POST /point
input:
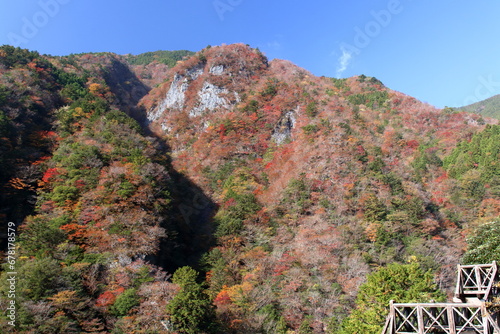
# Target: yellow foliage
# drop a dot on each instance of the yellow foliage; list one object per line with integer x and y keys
{"x": 238, "y": 293}
{"x": 63, "y": 298}
{"x": 95, "y": 88}
{"x": 412, "y": 259}
{"x": 242, "y": 182}
{"x": 78, "y": 112}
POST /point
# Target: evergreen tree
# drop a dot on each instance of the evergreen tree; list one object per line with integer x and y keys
{"x": 124, "y": 302}
{"x": 400, "y": 282}
{"x": 484, "y": 244}
{"x": 480, "y": 153}
{"x": 191, "y": 310}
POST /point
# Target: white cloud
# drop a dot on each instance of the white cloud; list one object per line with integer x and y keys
{"x": 274, "y": 45}
{"x": 343, "y": 61}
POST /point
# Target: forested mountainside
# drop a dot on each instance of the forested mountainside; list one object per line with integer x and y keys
{"x": 489, "y": 107}
{"x": 230, "y": 194}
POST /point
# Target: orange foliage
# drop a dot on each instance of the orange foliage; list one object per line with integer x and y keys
{"x": 76, "y": 233}
{"x": 489, "y": 208}
{"x": 371, "y": 231}
{"x": 222, "y": 298}
{"x": 18, "y": 183}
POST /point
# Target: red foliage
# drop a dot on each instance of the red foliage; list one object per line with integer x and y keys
{"x": 50, "y": 174}
{"x": 284, "y": 264}
{"x": 443, "y": 177}
{"x": 222, "y": 131}
{"x": 48, "y": 206}
{"x": 90, "y": 213}
{"x": 107, "y": 298}
{"x": 412, "y": 143}
{"x": 222, "y": 299}
{"x": 230, "y": 202}
{"x": 360, "y": 150}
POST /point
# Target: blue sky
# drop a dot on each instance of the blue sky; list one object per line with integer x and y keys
{"x": 444, "y": 52}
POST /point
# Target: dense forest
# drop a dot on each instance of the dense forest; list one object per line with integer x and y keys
{"x": 489, "y": 107}
{"x": 220, "y": 192}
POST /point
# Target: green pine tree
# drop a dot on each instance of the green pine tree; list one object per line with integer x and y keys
{"x": 191, "y": 310}
{"x": 484, "y": 244}
{"x": 400, "y": 282}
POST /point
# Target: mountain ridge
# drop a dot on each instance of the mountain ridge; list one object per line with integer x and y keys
{"x": 285, "y": 190}
{"x": 489, "y": 107}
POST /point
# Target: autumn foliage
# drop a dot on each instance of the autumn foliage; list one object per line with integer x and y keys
{"x": 284, "y": 190}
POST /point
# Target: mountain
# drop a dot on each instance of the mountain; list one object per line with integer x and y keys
{"x": 225, "y": 194}
{"x": 488, "y": 108}
{"x": 169, "y": 58}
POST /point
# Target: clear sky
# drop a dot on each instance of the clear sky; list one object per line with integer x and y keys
{"x": 444, "y": 52}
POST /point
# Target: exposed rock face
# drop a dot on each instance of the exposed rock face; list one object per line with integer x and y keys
{"x": 174, "y": 99}
{"x": 195, "y": 71}
{"x": 283, "y": 130}
{"x": 217, "y": 69}
{"x": 176, "y": 95}
{"x": 210, "y": 99}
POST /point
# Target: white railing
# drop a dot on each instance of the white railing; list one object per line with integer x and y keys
{"x": 476, "y": 280}
{"x": 468, "y": 315}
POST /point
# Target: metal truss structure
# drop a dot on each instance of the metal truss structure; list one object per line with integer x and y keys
{"x": 468, "y": 314}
